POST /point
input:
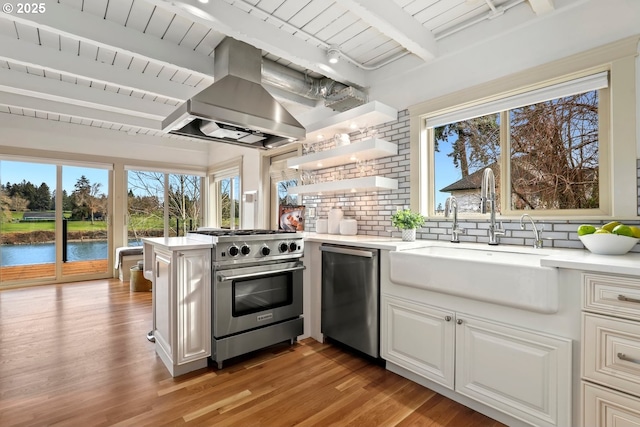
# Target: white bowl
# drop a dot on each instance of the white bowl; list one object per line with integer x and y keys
{"x": 608, "y": 244}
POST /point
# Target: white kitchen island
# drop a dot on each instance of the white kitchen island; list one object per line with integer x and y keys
{"x": 180, "y": 270}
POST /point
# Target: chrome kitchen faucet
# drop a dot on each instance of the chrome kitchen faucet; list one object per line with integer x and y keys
{"x": 537, "y": 239}
{"x": 488, "y": 195}
{"x": 451, "y": 204}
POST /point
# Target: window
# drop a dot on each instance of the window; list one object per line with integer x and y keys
{"x": 543, "y": 145}
{"x": 150, "y": 216}
{"x": 226, "y": 190}
{"x": 282, "y": 178}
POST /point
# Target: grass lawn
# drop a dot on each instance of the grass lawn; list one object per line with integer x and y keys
{"x": 136, "y": 222}
{"x": 25, "y": 227}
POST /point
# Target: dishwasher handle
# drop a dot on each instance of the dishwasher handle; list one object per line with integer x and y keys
{"x": 346, "y": 251}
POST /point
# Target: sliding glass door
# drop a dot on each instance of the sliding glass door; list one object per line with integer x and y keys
{"x": 85, "y": 220}
{"x": 53, "y": 223}
{"x": 27, "y": 221}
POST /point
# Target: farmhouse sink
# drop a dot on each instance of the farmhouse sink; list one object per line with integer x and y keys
{"x": 499, "y": 276}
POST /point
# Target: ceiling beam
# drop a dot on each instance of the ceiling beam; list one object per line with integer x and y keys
{"x": 30, "y": 54}
{"x": 392, "y": 21}
{"x": 232, "y": 21}
{"x": 55, "y": 90}
{"x": 55, "y": 107}
{"x": 91, "y": 29}
{"x": 541, "y": 7}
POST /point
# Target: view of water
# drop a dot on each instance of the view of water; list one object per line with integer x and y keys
{"x": 43, "y": 253}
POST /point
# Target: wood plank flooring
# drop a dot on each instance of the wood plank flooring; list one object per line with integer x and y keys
{"x": 76, "y": 355}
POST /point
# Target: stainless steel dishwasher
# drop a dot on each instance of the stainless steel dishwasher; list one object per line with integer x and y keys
{"x": 350, "y": 297}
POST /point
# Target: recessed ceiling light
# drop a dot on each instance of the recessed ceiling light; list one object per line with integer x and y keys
{"x": 204, "y": 1}
{"x": 333, "y": 54}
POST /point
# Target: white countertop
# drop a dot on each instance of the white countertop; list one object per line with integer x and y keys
{"x": 177, "y": 243}
{"x": 582, "y": 259}
{"x": 576, "y": 259}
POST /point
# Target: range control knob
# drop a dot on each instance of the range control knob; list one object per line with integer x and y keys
{"x": 245, "y": 250}
{"x": 265, "y": 250}
{"x": 293, "y": 246}
{"x": 233, "y": 250}
{"x": 282, "y": 247}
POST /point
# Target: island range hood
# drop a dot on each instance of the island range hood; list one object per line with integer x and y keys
{"x": 236, "y": 109}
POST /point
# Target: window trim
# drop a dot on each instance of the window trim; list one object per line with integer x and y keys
{"x": 505, "y": 160}
{"x": 618, "y": 123}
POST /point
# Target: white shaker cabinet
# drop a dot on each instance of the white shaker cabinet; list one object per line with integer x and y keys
{"x": 182, "y": 308}
{"x": 419, "y": 338}
{"x": 611, "y": 350}
{"x": 520, "y": 372}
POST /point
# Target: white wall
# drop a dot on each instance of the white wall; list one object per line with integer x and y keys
{"x": 91, "y": 142}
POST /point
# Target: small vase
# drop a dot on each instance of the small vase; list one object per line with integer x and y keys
{"x": 409, "y": 235}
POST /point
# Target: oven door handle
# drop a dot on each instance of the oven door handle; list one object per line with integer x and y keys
{"x": 223, "y": 277}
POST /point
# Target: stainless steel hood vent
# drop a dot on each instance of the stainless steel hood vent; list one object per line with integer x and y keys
{"x": 236, "y": 108}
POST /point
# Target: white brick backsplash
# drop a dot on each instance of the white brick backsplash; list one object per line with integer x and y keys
{"x": 373, "y": 211}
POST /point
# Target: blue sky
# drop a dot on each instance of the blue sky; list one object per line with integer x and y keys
{"x": 445, "y": 172}
{"x": 37, "y": 173}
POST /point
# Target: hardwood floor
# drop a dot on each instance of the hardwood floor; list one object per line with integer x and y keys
{"x": 76, "y": 355}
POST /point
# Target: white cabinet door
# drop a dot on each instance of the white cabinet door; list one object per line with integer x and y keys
{"x": 163, "y": 299}
{"x": 419, "y": 338}
{"x": 193, "y": 304}
{"x": 520, "y": 372}
{"x": 607, "y": 408}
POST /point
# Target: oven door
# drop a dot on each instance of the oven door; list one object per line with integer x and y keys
{"x": 246, "y": 298}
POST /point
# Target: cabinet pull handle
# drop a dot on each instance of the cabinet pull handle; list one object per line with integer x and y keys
{"x": 459, "y": 321}
{"x": 623, "y": 298}
{"x": 447, "y": 318}
{"x": 626, "y": 358}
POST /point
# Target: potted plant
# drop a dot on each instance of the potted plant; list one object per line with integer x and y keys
{"x": 407, "y": 221}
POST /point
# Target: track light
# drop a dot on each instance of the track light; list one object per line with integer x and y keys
{"x": 333, "y": 54}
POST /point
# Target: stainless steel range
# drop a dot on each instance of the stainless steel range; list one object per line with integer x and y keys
{"x": 256, "y": 289}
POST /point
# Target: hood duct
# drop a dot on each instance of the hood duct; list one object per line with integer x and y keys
{"x": 336, "y": 95}
{"x": 236, "y": 108}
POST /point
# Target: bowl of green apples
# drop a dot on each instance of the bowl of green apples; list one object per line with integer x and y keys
{"x": 613, "y": 238}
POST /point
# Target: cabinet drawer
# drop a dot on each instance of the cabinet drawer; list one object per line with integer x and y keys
{"x": 608, "y": 408}
{"x": 615, "y": 295}
{"x": 611, "y": 352}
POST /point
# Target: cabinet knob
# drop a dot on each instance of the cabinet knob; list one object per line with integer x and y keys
{"x": 459, "y": 321}
{"x": 447, "y": 318}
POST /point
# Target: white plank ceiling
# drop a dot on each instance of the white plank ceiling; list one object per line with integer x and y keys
{"x": 127, "y": 64}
